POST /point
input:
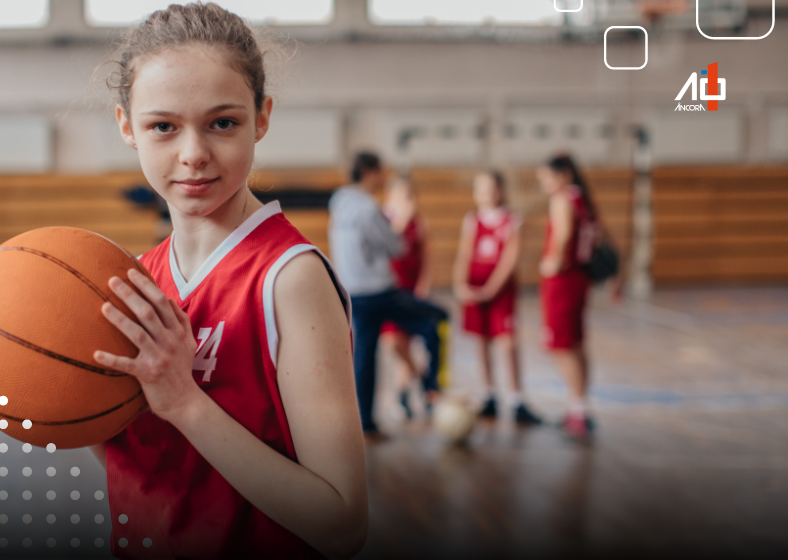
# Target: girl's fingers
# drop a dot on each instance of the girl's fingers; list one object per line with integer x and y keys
{"x": 119, "y": 363}
{"x": 144, "y": 311}
{"x": 181, "y": 316}
{"x": 135, "y": 333}
{"x": 155, "y": 297}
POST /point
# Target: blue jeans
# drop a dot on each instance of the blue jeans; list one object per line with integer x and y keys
{"x": 414, "y": 316}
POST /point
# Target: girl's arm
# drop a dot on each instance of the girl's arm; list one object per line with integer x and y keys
{"x": 560, "y": 216}
{"x": 504, "y": 268}
{"x": 323, "y": 497}
{"x": 100, "y": 452}
{"x": 424, "y": 283}
{"x": 462, "y": 291}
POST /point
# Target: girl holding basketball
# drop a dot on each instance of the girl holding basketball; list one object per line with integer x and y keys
{"x": 484, "y": 282}
{"x": 252, "y": 444}
{"x": 572, "y": 229}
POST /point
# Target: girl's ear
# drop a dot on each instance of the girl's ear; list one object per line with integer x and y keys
{"x": 263, "y": 119}
{"x": 125, "y": 127}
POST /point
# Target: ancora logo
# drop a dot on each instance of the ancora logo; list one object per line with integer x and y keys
{"x": 716, "y": 90}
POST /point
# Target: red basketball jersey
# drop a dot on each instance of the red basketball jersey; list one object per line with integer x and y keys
{"x": 577, "y": 252}
{"x": 168, "y": 491}
{"x": 491, "y": 233}
{"x": 407, "y": 268}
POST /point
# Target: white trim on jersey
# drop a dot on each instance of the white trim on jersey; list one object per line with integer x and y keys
{"x": 268, "y": 293}
{"x": 185, "y": 288}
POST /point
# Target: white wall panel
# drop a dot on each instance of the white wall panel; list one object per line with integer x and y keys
{"x": 25, "y": 144}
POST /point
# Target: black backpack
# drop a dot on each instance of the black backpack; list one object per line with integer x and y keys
{"x": 604, "y": 263}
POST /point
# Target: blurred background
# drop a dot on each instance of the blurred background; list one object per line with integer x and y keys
{"x": 690, "y": 386}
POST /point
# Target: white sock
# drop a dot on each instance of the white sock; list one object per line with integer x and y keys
{"x": 577, "y": 407}
{"x": 516, "y": 399}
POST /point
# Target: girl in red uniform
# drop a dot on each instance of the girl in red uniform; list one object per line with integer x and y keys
{"x": 572, "y": 230}
{"x": 252, "y": 443}
{"x": 413, "y": 272}
{"x": 484, "y": 281}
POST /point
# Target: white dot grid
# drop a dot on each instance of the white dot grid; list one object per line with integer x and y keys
{"x": 27, "y": 448}
{"x": 75, "y": 519}
{"x": 3, "y": 495}
{"x": 99, "y": 519}
{"x": 27, "y": 518}
{"x": 51, "y": 518}
{"x": 3, "y": 424}
{"x": 123, "y": 518}
{"x": 27, "y": 471}
{"x": 27, "y": 494}
{"x": 99, "y": 543}
{"x": 3, "y": 400}
{"x": 51, "y": 447}
{"x": 147, "y": 543}
{"x": 75, "y": 543}
{"x": 51, "y": 542}
{"x": 74, "y": 495}
{"x": 123, "y": 543}
{"x": 99, "y": 495}
{"x": 74, "y": 471}
{"x": 3, "y": 447}
{"x": 27, "y": 424}
{"x": 51, "y": 495}
{"x": 51, "y": 471}
{"x": 3, "y": 471}
{"x": 3, "y": 543}
{"x": 3, "y": 519}
{"x": 27, "y": 543}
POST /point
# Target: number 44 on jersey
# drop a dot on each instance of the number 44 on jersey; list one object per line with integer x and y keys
{"x": 205, "y": 360}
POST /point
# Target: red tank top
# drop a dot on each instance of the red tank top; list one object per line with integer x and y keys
{"x": 407, "y": 268}
{"x": 169, "y": 492}
{"x": 577, "y": 252}
{"x": 490, "y": 238}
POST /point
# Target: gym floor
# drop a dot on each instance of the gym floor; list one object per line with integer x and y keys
{"x": 690, "y": 395}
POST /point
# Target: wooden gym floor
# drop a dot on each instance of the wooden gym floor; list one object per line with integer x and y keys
{"x": 691, "y": 459}
{"x": 691, "y": 399}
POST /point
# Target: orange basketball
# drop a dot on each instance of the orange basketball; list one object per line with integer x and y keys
{"x": 53, "y": 282}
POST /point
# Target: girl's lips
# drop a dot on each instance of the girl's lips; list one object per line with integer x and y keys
{"x": 195, "y": 187}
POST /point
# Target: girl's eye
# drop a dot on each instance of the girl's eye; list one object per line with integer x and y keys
{"x": 162, "y": 127}
{"x": 224, "y": 124}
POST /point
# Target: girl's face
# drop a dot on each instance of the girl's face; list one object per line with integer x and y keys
{"x": 194, "y": 123}
{"x": 550, "y": 180}
{"x": 485, "y": 192}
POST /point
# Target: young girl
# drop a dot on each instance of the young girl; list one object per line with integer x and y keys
{"x": 413, "y": 273}
{"x": 484, "y": 281}
{"x": 253, "y": 447}
{"x": 571, "y": 234}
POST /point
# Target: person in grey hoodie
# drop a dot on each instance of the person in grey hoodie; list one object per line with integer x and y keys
{"x": 362, "y": 244}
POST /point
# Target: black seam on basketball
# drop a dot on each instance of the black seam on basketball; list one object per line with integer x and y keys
{"x": 61, "y": 264}
{"x": 78, "y": 420}
{"x": 56, "y": 356}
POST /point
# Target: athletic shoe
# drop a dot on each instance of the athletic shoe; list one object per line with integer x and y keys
{"x": 404, "y": 401}
{"x": 490, "y": 409}
{"x": 577, "y": 427}
{"x": 523, "y": 415}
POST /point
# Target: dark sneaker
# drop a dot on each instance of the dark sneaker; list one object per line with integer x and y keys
{"x": 577, "y": 427}
{"x": 405, "y": 402}
{"x": 490, "y": 409}
{"x": 522, "y": 415}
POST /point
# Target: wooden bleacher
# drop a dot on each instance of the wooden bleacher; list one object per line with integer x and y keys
{"x": 96, "y": 203}
{"x": 720, "y": 225}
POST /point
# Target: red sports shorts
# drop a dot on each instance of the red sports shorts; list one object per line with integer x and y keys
{"x": 492, "y": 318}
{"x": 563, "y": 309}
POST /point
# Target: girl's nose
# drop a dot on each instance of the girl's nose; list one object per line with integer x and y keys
{"x": 194, "y": 151}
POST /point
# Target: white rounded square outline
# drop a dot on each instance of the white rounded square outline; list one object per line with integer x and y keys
{"x": 555, "y": 5}
{"x": 697, "y": 24}
{"x": 625, "y": 67}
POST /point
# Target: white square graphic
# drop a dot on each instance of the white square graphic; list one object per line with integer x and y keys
{"x": 557, "y": 9}
{"x": 697, "y": 24}
{"x": 626, "y": 67}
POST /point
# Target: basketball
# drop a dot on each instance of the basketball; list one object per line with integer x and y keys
{"x": 454, "y": 419}
{"x": 53, "y": 282}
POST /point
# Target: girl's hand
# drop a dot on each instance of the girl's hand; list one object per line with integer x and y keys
{"x": 165, "y": 342}
{"x": 549, "y": 266}
{"x": 466, "y": 294}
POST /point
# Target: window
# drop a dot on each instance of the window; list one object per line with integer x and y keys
{"x": 463, "y": 12}
{"x": 112, "y": 13}
{"x": 23, "y": 15}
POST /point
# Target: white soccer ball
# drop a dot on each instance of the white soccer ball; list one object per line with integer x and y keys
{"x": 454, "y": 420}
